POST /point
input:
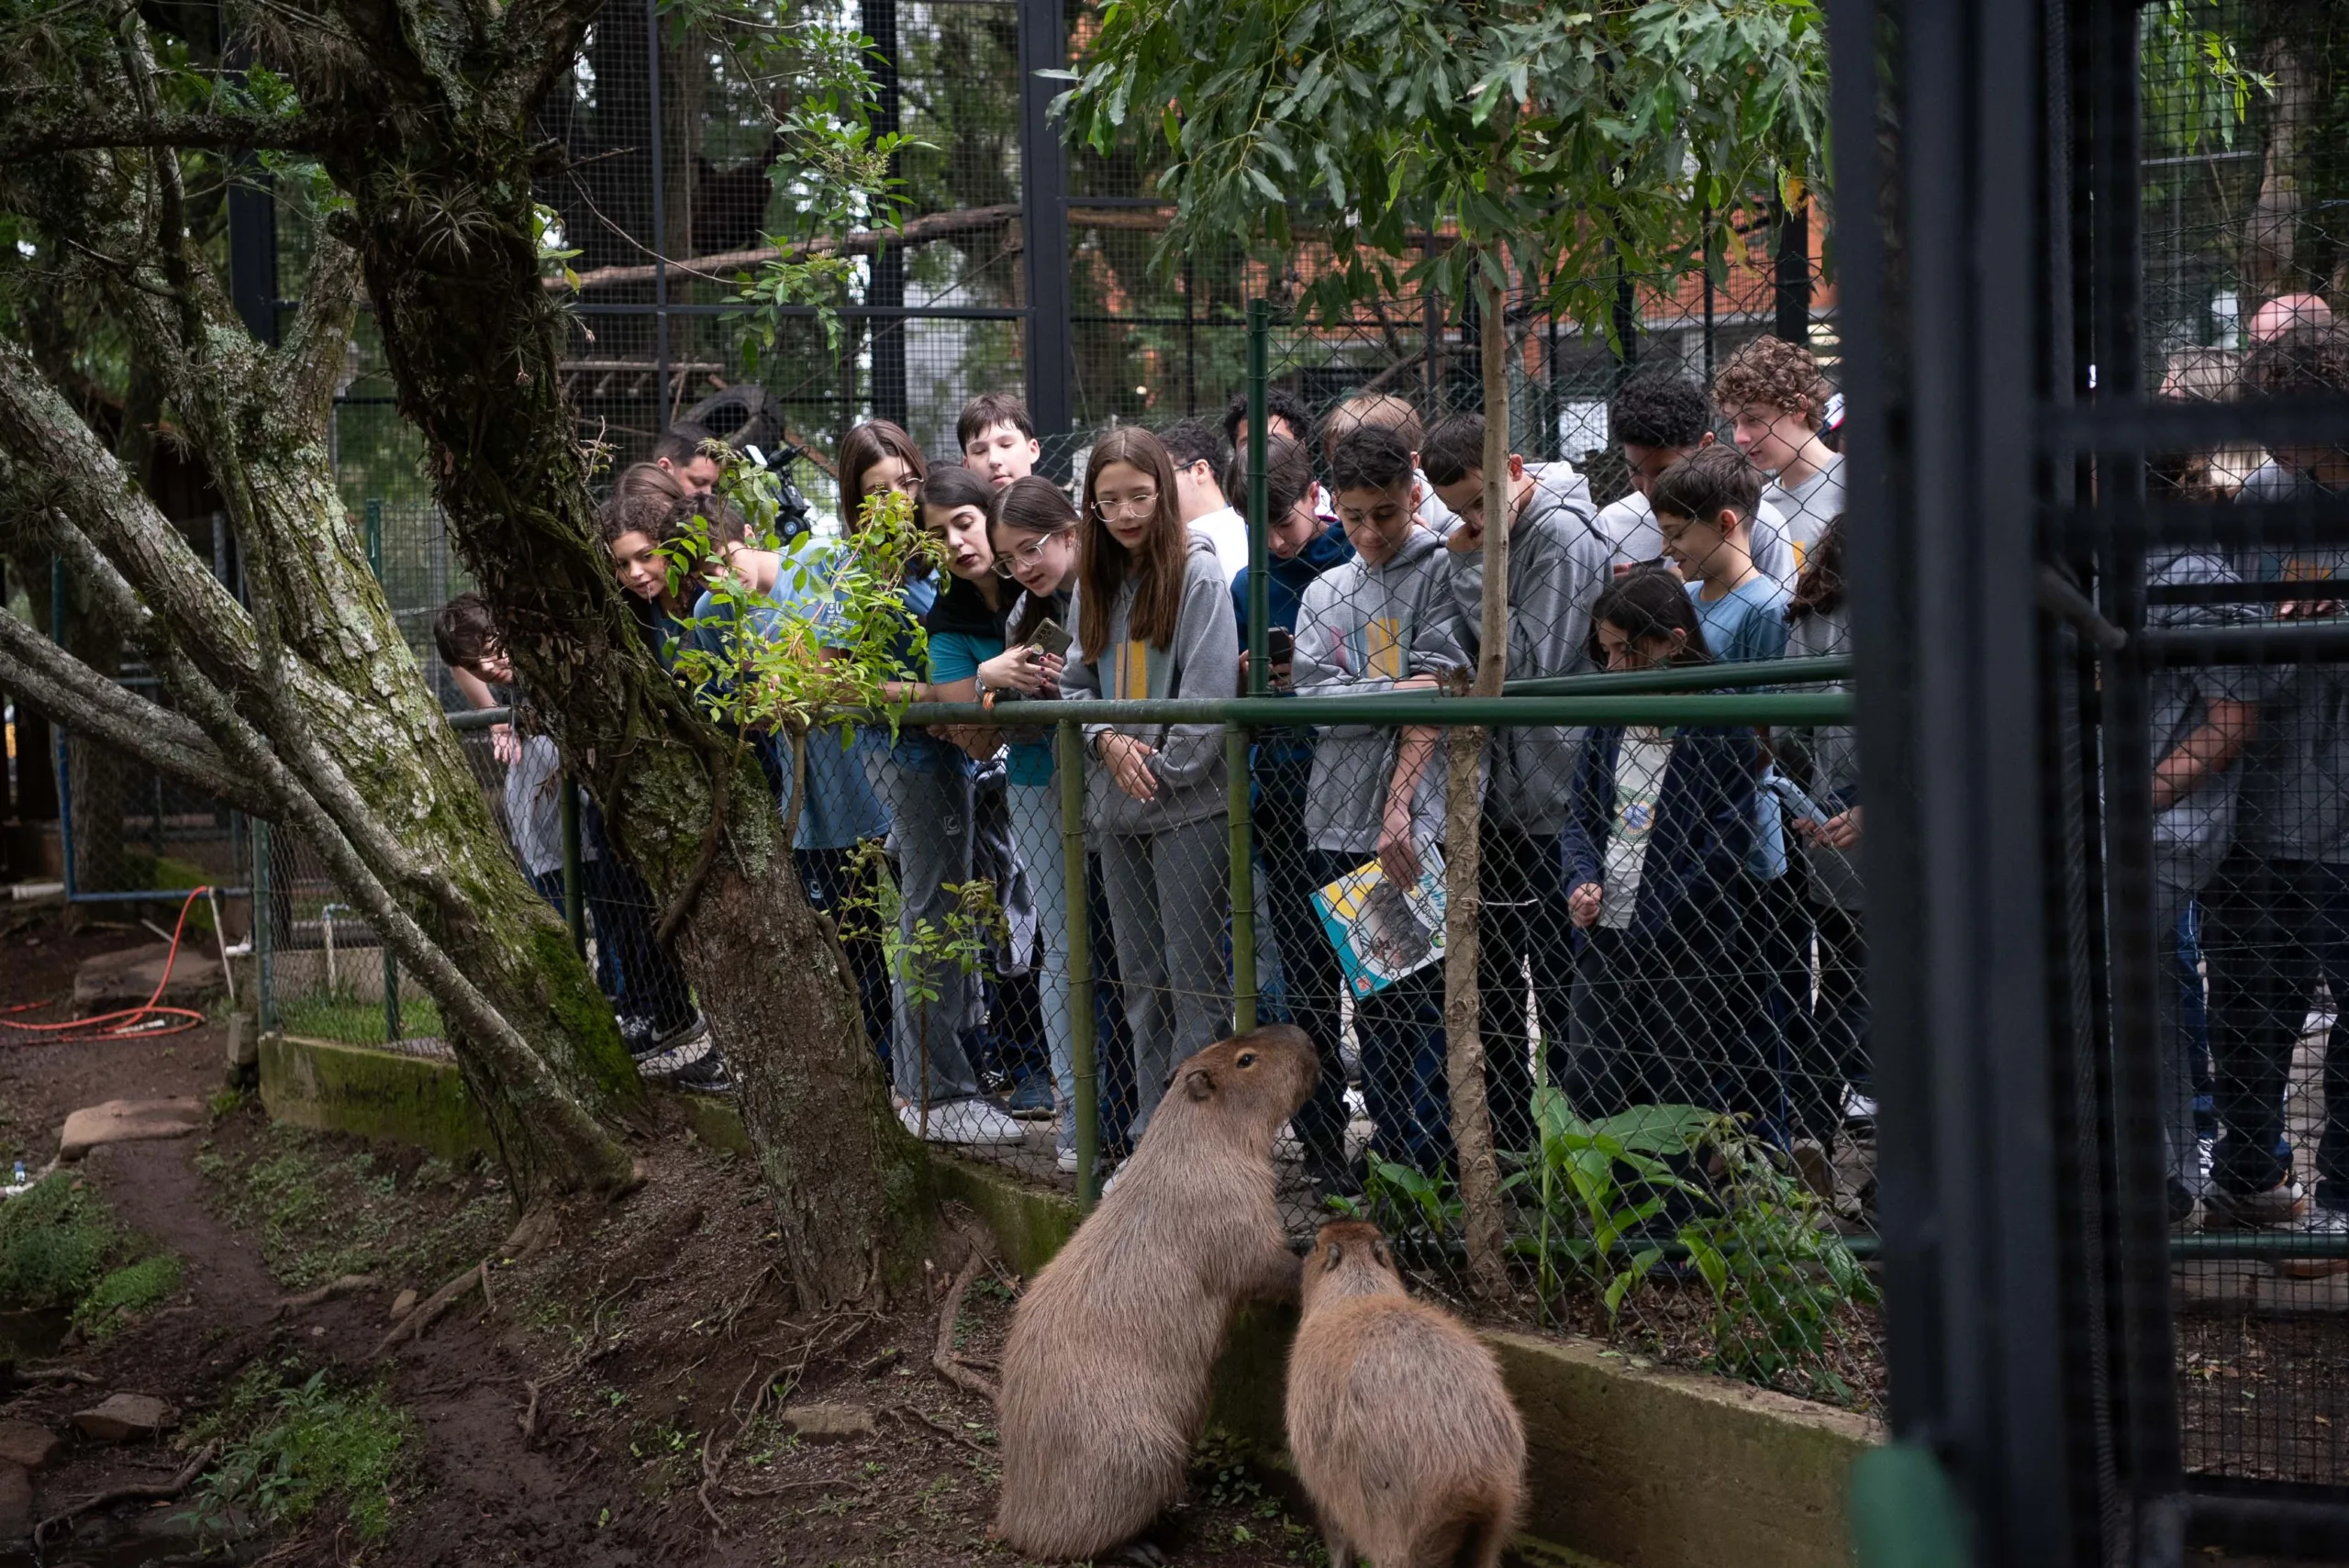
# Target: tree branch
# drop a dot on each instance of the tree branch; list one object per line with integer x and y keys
{"x": 21, "y": 141}
{"x": 310, "y": 363}
{"x": 79, "y": 698}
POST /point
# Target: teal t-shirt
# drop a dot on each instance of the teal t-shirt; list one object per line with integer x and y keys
{"x": 1746, "y": 623}
{"x": 956, "y": 656}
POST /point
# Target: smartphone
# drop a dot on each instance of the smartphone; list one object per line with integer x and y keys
{"x": 1795, "y": 799}
{"x": 1052, "y": 638}
{"x": 1280, "y": 645}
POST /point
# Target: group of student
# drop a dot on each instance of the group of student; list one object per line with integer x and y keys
{"x": 1669, "y": 914}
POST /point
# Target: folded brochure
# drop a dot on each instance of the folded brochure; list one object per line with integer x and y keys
{"x": 1383, "y": 929}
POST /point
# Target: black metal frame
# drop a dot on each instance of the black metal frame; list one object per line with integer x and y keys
{"x": 1989, "y": 154}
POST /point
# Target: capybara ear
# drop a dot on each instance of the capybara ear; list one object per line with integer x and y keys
{"x": 1197, "y": 1084}
{"x": 1337, "y": 1250}
{"x": 1386, "y": 1259}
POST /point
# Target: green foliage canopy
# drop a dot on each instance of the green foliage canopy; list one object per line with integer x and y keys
{"x": 1557, "y": 138}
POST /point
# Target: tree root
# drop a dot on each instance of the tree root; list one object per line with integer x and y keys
{"x": 942, "y": 1358}
{"x": 160, "y": 1493}
{"x": 54, "y": 1374}
{"x": 908, "y": 1413}
{"x": 428, "y": 1311}
{"x": 325, "y": 1293}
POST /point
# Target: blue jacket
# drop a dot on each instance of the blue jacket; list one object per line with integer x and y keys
{"x": 1704, "y": 825}
{"x": 1284, "y": 591}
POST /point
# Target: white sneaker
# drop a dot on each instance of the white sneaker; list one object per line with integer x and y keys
{"x": 1064, "y": 1162}
{"x": 965, "y": 1122}
{"x": 1285, "y": 1145}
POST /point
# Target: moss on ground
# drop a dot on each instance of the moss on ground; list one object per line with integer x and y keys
{"x": 62, "y": 1254}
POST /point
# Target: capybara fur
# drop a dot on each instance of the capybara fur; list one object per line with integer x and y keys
{"x": 1105, "y": 1371}
{"x": 1402, "y": 1430}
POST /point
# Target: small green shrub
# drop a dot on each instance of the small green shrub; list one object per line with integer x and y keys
{"x": 294, "y": 1450}
{"x": 126, "y": 1292}
{"x": 56, "y": 1239}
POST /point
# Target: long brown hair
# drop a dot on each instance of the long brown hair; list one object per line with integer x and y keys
{"x": 1103, "y": 566}
{"x": 1819, "y": 590}
{"x": 1040, "y": 507}
{"x": 863, "y": 447}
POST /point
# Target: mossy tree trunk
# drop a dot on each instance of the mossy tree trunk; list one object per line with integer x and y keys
{"x": 442, "y": 221}
{"x": 306, "y": 709}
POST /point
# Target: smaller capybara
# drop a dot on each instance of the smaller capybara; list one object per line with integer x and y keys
{"x": 1403, "y": 1432}
{"x": 1105, "y": 1371}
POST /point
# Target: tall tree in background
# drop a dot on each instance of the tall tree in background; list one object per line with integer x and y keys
{"x": 1547, "y": 149}
{"x": 421, "y": 114}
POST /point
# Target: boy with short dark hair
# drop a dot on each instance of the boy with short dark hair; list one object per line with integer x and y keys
{"x": 1558, "y": 564}
{"x": 664, "y": 1032}
{"x": 1198, "y": 452}
{"x": 1658, "y": 419}
{"x": 1384, "y": 411}
{"x": 998, "y": 438}
{"x": 679, "y": 452}
{"x": 1284, "y": 419}
{"x": 1774, "y": 398}
{"x": 1382, "y": 622}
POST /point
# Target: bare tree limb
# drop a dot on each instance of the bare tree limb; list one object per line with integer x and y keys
{"x": 22, "y": 140}
{"x": 310, "y": 362}
{"x": 77, "y": 697}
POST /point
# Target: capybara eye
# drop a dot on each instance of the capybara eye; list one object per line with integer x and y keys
{"x": 1247, "y": 1059}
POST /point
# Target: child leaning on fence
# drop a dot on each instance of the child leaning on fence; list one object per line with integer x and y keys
{"x": 1034, "y": 535}
{"x": 1559, "y": 562}
{"x": 1153, "y": 620}
{"x": 1653, "y": 848}
{"x": 1300, "y": 544}
{"x": 1382, "y": 622}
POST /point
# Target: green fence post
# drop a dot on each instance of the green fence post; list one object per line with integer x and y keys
{"x": 1069, "y": 742}
{"x": 574, "y": 908}
{"x": 1260, "y": 331}
{"x": 1243, "y": 878}
{"x": 374, "y": 538}
{"x": 264, "y": 930}
{"x": 1903, "y": 1511}
{"x": 391, "y": 992}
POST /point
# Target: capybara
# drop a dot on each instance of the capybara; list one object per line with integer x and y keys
{"x": 1403, "y": 1432}
{"x": 1105, "y": 1371}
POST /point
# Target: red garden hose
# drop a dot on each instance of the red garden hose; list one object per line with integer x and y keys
{"x": 144, "y": 1022}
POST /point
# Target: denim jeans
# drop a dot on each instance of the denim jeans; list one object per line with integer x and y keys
{"x": 642, "y": 980}
{"x": 930, "y": 819}
{"x": 1036, "y": 831}
{"x": 832, "y": 882}
{"x": 2271, "y": 930}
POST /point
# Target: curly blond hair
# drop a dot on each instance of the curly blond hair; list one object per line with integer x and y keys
{"x": 1776, "y": 374}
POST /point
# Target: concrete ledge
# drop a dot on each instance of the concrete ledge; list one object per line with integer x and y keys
{"x": 328, "y": 1088}
{"x": 1632, "y": 1467}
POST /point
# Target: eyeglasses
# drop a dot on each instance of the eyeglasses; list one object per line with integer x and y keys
{"x": 1009, "y": 564}
{"x": 1132, "y": 507}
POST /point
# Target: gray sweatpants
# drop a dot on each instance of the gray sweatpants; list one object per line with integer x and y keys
{"x": 930, "y": 829}
{"x": 1168, "y": 893}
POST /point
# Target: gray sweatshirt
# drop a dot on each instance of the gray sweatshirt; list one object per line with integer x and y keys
{"x": 2193, "y": 836}
{"x": 1833, "y": 752}
{"x": 1203, "y": 662}
{"x": 1361, "y": 630}
{"x": 1558, "y": 564}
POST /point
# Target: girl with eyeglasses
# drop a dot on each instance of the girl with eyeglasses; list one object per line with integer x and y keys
{"x": 1154, "y": 620}
{"x": 1034, "y": 536}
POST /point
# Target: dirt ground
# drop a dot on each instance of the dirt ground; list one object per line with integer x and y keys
{"x": 617, "y": 1401}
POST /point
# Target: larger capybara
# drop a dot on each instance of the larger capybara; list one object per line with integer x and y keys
{"x": 1105, "y": 1373}
{"x": 1403, "y": 1432}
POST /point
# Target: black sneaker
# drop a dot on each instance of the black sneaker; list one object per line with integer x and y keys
{"x": 670, "y": 1052}
{"x": 706, "y": 1074}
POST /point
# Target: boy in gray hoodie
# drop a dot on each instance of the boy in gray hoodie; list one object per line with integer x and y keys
{"x": 1382, "y": 622}
{"x": 1559, "y": 562}
{"x": 1154, "y": 802}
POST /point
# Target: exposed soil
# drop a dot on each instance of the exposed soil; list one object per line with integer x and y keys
{"x": 617, "y": 1399}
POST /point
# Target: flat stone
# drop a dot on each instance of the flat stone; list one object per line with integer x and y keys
{"x": 27, "y": 1443}
{"x": 2273, "y": 1294}
{"x": 127, "y": 978}
{"x": 120, "y": 1417}
{"x": 823, "y": 1423}
{"x": 16, "y": 1502}
{"x": 127, "y": 1121}
{"x": 2214, "y": 1284}
{"x": 403, "y": 1303}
